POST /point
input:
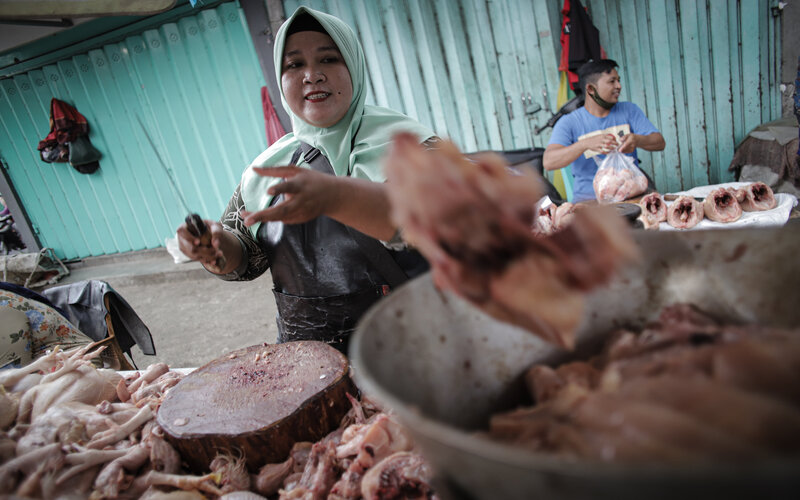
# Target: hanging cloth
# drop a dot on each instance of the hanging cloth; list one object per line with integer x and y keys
{"x": 271, "y": 122}
{"x": 68, "y": 140}
{"x": 580, "y": 41}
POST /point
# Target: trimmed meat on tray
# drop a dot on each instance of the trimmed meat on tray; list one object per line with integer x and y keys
{"x": 685, "y": 213}
{"x": 654, "y": 210}
{"x": 721, "y": 206}
{"x": 473, "y": 221}
{"x": 758, "y": 196}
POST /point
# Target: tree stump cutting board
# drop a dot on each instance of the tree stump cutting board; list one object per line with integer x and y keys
{"x": 259, "y": 400}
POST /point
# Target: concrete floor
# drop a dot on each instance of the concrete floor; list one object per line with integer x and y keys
{"x": 192, "y": 316}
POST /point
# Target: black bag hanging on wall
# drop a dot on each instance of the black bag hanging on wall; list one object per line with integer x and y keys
{"x": 83, "y": 156}
{"x": 68, "y": 140}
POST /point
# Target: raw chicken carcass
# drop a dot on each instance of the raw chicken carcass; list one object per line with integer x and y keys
{"x": 402, "y": 475}
{"x": 75, "y": 380}
{"x": 543, "y": 224}
{"x": 721, "y": 206}
{"x": 758, "y": 196}
{"x": 554, "y": 218}
{"x": 739, "y": 193}
{"x": 564, "y": 215}
{"x": 472, "y": 220}
{"x": 654, "y": 210}
{"x": 685, "y": 213}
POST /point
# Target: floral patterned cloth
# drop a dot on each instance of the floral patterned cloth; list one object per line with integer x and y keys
{"x": 29, "y": 328}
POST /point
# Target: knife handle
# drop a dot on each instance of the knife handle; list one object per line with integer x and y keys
{"x": 198, "y": 228}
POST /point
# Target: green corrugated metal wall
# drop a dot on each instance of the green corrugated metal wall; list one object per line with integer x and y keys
{"x": 461, "y": 67}
{"x": 195, "y": 84}
{"x": 705, "y": 72}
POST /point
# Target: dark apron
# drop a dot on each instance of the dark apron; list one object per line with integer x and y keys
{"x": 323, "y": 282}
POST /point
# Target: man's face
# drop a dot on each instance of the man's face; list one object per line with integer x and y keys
{"x": 607, "y": 87}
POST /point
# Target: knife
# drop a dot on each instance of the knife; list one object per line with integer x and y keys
{"x": 193, "y": 221}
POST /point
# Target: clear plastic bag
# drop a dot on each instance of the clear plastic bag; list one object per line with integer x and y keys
{"x": 618, "y": 178}
{"x": 174, "y": 250}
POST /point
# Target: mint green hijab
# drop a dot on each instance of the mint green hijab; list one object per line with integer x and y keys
{"x": 368, "y": 128}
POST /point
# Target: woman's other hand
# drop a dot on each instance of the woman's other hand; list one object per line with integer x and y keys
{"x": 307, "y": 195}
{"x": 211, "y": 256}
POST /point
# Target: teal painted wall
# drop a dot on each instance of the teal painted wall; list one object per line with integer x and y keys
{"x": 705, "y": 72}
{"x": 461, "y": 67}
{"x": 195, "y": 84}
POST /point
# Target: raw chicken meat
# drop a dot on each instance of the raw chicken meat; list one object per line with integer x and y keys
{"x": 564, "y": 215}
{"x": 319, "y": 476}
{"x": 75, "y": 380}
{"x": 739, "y": 193}
{"x": 401, "y": 476}
{"x": 614, "y": 185}
{"x": 555, "y": 217}
{"x": 685, "y": 213}
{"x": 472, "y": 220}
{"x": 687, "y": 388}
{"x": 543, "y": 224}
{"x": 721, "y": 206}
{"x": 81, "y": 441}
{"x": 654, "y": 210}
{"x": 758, "y": 196}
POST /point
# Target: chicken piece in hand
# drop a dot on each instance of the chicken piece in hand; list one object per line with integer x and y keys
{"x": 473, "y": 221}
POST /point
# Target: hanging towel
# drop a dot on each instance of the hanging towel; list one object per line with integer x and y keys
{"x": 271, "y": 122}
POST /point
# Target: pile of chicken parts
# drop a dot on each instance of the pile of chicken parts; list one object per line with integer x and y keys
{"x": 70, "y": 430}
{"x": 721, "y": 205}
{"x": 686, "y": 388}
{"x": 475, "y": 221}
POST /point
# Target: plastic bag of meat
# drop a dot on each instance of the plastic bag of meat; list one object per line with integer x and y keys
{"x": 618, "y": 178}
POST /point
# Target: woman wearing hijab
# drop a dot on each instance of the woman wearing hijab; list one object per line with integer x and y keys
{"x": 313, "y": 207}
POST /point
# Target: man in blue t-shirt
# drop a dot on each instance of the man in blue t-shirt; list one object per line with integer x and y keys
{"x": 602, "y": 124}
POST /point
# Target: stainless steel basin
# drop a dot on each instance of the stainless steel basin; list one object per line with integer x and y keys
{"x": 444, "y": 367}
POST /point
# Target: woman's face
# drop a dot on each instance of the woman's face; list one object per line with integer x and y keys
{"x": 315, "y": 79}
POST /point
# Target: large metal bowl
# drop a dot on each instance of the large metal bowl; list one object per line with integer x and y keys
{"x": 445, "y": 367}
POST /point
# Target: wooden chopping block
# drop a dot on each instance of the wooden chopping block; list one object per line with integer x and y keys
{"x": 259, "y": 400}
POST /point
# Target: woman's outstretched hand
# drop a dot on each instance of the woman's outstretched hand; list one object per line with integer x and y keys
{"x": 307, "y": 195}
{"x": 208, "y": 255}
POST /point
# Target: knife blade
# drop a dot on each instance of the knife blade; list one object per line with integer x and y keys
{"x": 193, "y": 221}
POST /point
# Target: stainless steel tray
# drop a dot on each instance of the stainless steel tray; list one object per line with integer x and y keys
{"x": 444, "y": 367}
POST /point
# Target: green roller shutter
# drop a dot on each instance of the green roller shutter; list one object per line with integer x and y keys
{"x": 194, "y": 82}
